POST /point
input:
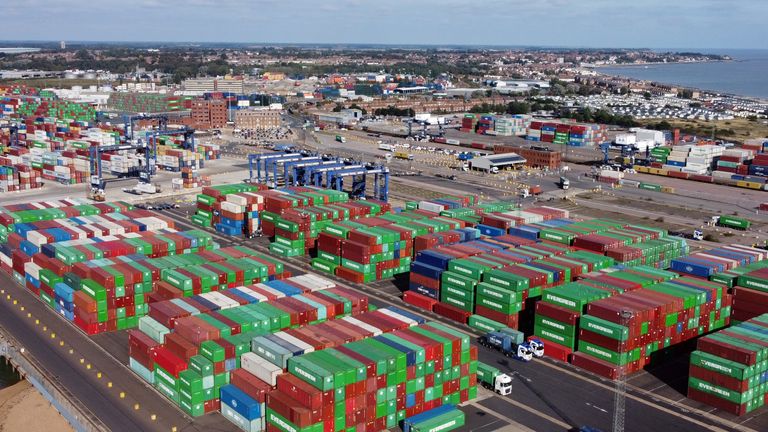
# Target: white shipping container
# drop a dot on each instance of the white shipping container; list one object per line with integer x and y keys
{"x": 232, "y": 208}
{"x": 365, "y": 326}
{"x": 431, "y": 207}
{"x": 252, "y": 293}
{"x": 32, "y": 269}
{"x": 307, "y": 348}
{"x": 403, "y": 318}
{"x": 230, "y": 303}
{"x": 721, "y": 174}
{"x": 260, "y": 368}
{"x": 215, "y": 300}
{"x": 612, "y": 174}
{"x": 738, "y": 248}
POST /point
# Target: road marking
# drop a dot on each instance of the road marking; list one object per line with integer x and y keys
{"x": 136, "y": 407}
{"x": 153, "y": 417}
{"x": 653, "y": 405}
{"x": 596, "y": 407}
{"x": 538, "y": 413}
{"x": 109, "y": 384}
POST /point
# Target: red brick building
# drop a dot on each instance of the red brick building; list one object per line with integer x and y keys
{"x": 208, "y": 114}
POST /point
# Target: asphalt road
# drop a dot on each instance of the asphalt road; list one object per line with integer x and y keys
{"x": 41, "y": 336}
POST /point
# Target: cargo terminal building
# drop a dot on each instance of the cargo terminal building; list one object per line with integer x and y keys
{"x": 497, "y": 161}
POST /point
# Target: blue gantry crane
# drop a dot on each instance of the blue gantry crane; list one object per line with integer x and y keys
{"x": 264, "y": 161}
{"x": 309, "y": 169}
{"x": 130, "y": 122}
{"x": 359, "y": 178}
{"x": 187, "y": 132}
{"x": 97, "y": 182}
{"x": 313, "y": 175}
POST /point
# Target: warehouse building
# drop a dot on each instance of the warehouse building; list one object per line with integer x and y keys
{"x": 497, "y": 162}
{"x": 257, "y": 118}
{"x": 207, "y": 85}
{"x": 535, "y": 156}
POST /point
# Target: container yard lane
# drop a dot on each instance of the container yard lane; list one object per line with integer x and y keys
{"x": 94, "y": 379}
{"x": 546, "y": 395}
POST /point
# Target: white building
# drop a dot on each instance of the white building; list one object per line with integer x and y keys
{"x": 499, "y": 161}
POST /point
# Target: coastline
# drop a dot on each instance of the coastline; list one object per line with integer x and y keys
{"x": 755, "y": 99}
{"x": 640, "y": 65}
{"x": 22, "y": 407}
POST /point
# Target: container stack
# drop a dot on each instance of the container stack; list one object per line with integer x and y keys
{"x": 660, "y": 154}
{"x": 707, "y": 263}
{"x": 515, "y": 125}
{"x": 628, "y": 244}
{"x": 144, "y": 102}
{"x": 375, "y": 248}
{"x": 56, "y": 108}
{"x": 485, "y": 124}
{"x": 750, "y": 295}
{"x": 296, "y": 228}
{"x": 114, "y": 294}
{"x": 728, "y": 370}
{"x": 737, "y": 161}
{"x": 568, "y": 133}
{"x": 191, "y": 349}
{"x": 493, "y": 278}
{"x": 469, "y": 123}
{"x": 274, "y": 352}
{"x": 399, "y": 376}
{"x": 657, "y": 316}
{"x": 759, "y": 164}
{"x": 18, "y": 177}
{"x": 560, "y": 310}
{"x": 232, "y": 209}
{"x": 693, "y": 159}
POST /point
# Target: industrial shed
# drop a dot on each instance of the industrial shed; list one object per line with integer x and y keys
{"x": 499, "y": 161}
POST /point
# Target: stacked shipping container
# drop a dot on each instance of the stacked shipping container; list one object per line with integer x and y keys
{"x": 568, "y": 133}
{"x": 623, "y": 332}
{"x": 728, "y": 370}
{"x": 375, "y": 383}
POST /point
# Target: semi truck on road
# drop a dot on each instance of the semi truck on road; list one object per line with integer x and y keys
{"x": 492, "y": 378}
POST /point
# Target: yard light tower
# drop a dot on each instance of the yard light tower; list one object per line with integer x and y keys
{"x": 620, "y": 391}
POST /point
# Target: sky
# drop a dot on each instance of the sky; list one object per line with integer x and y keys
{"x": 580, "y": 23}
